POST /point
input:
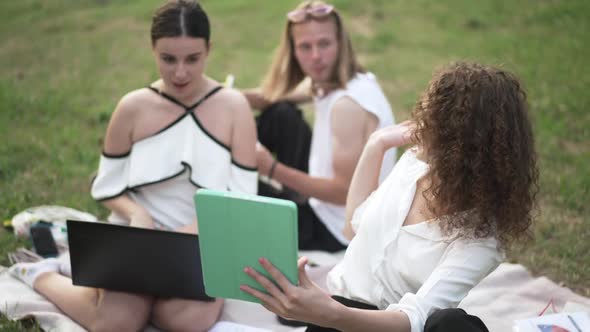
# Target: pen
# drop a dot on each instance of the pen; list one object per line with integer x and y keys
{"x": 229, "y": 81}
{"x": 574, "y": 322}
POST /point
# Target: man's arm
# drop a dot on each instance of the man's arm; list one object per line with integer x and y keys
{"x": 300, "y": 95}
{"x": 351, "y": 126}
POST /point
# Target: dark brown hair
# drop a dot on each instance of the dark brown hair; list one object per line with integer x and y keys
{"x": 179, "y": 18}
{"x": 474, "y": 125}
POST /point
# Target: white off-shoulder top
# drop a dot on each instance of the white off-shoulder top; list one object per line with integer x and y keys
{"x": 162, "y": 172}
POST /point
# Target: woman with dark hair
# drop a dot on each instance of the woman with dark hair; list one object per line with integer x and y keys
{"x": 438, "y": 224}
{"x": 182, "y": 132}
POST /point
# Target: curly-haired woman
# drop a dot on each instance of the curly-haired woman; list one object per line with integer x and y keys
{"x": 438, "y": 224}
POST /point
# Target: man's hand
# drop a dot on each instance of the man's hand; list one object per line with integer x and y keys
{"x": 264, "y": 159}
{"x": 256, "y": 99}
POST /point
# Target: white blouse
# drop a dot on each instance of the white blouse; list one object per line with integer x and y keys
{"x": 414, "y": 269}
{"x": 163, "y": 171}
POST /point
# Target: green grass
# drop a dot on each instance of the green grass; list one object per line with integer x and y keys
{"x": 25, "y": 325}
{"x": 65, "y": 64}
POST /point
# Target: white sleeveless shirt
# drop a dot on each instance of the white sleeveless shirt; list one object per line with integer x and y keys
{"x": 364, "y": 90}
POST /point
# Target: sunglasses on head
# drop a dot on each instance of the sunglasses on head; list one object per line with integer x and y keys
{"x": 317, "y": 11}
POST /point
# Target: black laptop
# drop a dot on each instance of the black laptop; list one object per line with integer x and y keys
{"x": 136, "y": 260}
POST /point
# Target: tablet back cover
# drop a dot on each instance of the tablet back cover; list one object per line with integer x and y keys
{"x": 235, "y": 230}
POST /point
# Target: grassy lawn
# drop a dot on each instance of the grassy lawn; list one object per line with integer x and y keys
{"x": 66, "y": 63}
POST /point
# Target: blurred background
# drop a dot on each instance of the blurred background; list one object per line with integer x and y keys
{"x": 66, "y": 63}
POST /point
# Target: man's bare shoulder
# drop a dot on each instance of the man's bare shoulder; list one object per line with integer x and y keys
{"x": 349, "y": 116}
{"x": 345, "y": 106}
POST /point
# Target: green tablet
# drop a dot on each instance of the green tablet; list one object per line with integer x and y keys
{"x": 235, "y": 230}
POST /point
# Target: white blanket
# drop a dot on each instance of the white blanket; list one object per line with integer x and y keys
{"x": 509, "y": 293}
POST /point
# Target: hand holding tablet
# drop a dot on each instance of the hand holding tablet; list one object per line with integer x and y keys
{"x": 236, "y": 231}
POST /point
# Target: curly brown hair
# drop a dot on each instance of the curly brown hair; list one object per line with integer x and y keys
{"x": 473, "y": 123}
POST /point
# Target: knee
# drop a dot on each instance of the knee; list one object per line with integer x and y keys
{"x": 180, "y": 315}
{"x": 128, "y": 318}
{"x": 129, "y": 323}
{"x": 453, "y": 320}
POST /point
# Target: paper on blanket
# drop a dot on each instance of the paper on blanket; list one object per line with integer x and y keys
{"x": 563, "y": 322}
{"x": 234, "y": 327}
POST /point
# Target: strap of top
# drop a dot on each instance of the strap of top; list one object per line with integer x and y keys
{"x": 179, "y": 103}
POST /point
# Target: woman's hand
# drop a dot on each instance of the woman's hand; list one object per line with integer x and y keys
{"x": 192, "y": 228}
{"x": 264, "y": 159}
{"x": 131, "y": 211}
{"x": 392, "y": 136}
{"x": 142, "y": 219}
{"x": 305, "y": 302}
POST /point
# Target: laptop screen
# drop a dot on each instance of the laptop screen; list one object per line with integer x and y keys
{"x": 136, "y": 260}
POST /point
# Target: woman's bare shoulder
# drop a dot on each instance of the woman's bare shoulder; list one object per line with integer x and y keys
{"x": 234, "y": 99}
{"x": 135, "y": 100}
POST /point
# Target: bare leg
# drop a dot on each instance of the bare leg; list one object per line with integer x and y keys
{"x": 185, "y": 315}
{"x": 95, "y": 309}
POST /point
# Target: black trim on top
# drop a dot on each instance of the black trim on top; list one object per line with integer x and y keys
{"x": 184, "y": 169}
{"x": 215, "y": 139}
{"x": 194, "y": 116}
{"x": 167, "y": 96}
{"x": 187, "y": 166}
{"x": 111, "y": 197}
{"x": 114, "y": 156}
{"x": 244, "y": 167}
{"x": 205, "y": 97}
{"x": 167, "y": 127}
{"x": 179, "y": 103}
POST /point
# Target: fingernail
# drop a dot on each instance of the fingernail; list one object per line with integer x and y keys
{"x": 247, "y": 269}
{"x": 262, "y": 260}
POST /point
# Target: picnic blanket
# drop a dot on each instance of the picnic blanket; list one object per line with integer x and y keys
{"x": 507, "y": 294}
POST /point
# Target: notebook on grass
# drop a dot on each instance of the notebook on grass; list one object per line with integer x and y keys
{"x": 235, "y": 230}
{"x": 135, "y": 260}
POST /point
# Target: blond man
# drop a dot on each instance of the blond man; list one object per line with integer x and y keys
{"x": 349, "y": 105}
